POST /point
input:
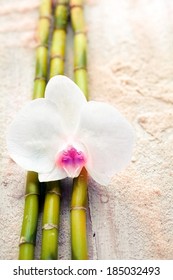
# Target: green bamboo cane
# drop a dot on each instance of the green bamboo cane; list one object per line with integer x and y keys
{"x": 31, "y": 208}
{"x": 50, "y": 222}
{"x": 59, "y": 39}
{"x": 79, "y": 193}
{"x": 42, "y": 49}
{"x": 80, "y": 45}
{"x": 30, "y": 217}
{"x": 78, "y": 218}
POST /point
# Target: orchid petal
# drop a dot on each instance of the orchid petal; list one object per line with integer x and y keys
{"x": 36, "y": 134}
{"x": 68, "y": 98}
{"x": 108, "y": 138}
{"x": 55, "y": 174}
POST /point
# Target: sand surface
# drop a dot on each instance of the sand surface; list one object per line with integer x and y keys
{"x": 130, "y": 65}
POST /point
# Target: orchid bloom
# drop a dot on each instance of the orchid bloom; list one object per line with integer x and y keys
{"x": 60, "y": 134}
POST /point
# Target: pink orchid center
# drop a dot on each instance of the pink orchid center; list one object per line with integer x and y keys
{"x": 71, "y": 160}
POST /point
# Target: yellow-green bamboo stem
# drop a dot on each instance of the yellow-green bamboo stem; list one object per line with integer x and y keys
{"x": 30, "y": 217}
{"x": 80, "y": 62}
{"x": 79, "y": 193}
{"x": 80, "y": 45}
{"x": 78, "y": 218}
{"x": 50, "y": 222}
{"x": 31, "y": 208}
{"x": 59, "y": 39}
{"x": 43, "y": 33}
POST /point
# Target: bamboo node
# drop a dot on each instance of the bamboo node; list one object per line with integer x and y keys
{"x": 59, "y": 3}
{"x": 45, "y": 17}
{"x": 60, "y": 28}
{"x": 40, "y": 78}
{"x": 76, "y": 6}
{"x": 24, "y": 241}
{"x": 79, "y": 68}
{"x": 42, "y": 45}
{"x": 31, "y": 193}
{"x": 49, "y": 226}
{"x": 78, "y": 32}
{"x": 55, "y": 192}
{"x": 78, "y": 208}
{"x": 57, "y": 56}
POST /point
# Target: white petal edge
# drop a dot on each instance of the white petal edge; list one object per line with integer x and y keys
{"x": 108, "y": 138}
{"x": 54, "y": 175}
{"x": 68, "y": 98}
{"x": 35, "y": 136}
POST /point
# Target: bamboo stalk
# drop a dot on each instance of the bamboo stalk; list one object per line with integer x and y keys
{"x": 59, "y": 39}
{"x": 50, "y": 222}
{"x": 29, "y": 225}
{"x": 79, "y": 193}
{"x": 43, "y": 34}
{"x": 31, "y": 208}
{"x": 80, "y": 45}
{"x": 78, "y": 218}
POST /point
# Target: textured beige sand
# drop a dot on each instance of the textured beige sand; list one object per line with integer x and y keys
{"x": 131, "y": 66}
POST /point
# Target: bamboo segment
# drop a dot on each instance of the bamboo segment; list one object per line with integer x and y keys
{"x": 43, "y": 33}
{"x": 41, "y": 72}
{"x": 79, "y": 192}
{"x": 77, "y": 16}
{"x": 29, "y": 225}
{"x": 59, "y": 39}
{"x": 50, "y": 222}
{"x": 57, "y": 53}
{"x": 31, "y": 208}
{"x": 80, "y": 62}
{"x": 80, "y": 45}
{"x": 78, "y": 218}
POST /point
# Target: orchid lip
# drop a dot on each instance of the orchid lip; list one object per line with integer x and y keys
{"x": 71, "y": 160}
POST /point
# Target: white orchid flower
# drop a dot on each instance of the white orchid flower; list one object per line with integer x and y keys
{"x": 60, "y": 134}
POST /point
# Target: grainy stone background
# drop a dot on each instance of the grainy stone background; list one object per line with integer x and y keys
{"x": 130, "y": 53}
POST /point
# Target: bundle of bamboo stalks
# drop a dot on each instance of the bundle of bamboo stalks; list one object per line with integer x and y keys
{"x": 50, "y": 57}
